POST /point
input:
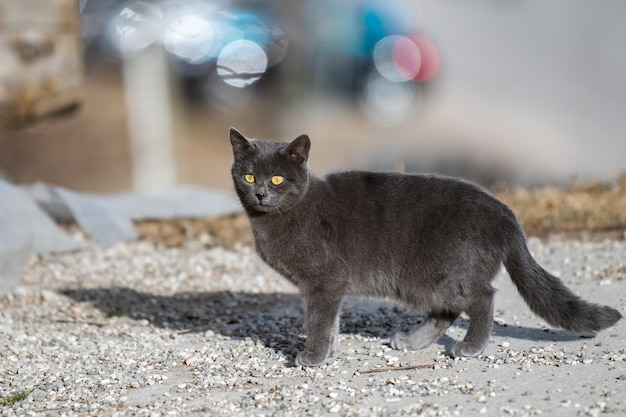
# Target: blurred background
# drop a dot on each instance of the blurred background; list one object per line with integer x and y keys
{"x": 109, "y": 95}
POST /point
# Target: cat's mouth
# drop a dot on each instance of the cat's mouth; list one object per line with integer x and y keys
{"x": 266, "y": 207}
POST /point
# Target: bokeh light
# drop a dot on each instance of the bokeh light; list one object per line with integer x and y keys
{"x": 430, "y": 58}
{"x": 241, "y": 63}
{"x": 137, "y": 26}
{"x": 397, "y": 58}
{"x": 241, "y": 45}
{"x": 276, "y": 48}
{"x": 225, "y": 32}
{"x": 404, "y": 58}
{"x": 190, "y": 38}
{"x": 385, "y": 102}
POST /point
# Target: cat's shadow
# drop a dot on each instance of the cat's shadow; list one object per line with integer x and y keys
{"x": 274, "y": 319}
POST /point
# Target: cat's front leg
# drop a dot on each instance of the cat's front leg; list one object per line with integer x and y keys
{"x": 322, "y": 327}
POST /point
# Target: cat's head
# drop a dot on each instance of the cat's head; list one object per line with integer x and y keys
{"x": 269, "y": 177}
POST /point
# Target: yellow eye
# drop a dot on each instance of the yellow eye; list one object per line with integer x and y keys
{"x": 277, "y": 179}
{"x": 249, "y": 178}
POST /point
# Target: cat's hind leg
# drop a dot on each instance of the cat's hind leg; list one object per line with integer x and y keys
{"x": 427, "y": 332}
{"x": 481, "y": 321}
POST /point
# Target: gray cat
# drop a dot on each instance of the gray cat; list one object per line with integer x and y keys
{"x": 430, "y": 242}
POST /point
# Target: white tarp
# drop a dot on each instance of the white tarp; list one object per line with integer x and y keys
{"x": 27, "y": 226}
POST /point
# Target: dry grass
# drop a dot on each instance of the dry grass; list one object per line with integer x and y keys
{"x": 222, "y": 231}
{"x": 593, "y": 209}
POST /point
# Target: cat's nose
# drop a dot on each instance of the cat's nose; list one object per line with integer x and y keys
{"x": 261, "y": 193}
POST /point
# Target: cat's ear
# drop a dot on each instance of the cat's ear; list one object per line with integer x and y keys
{"x": 239, "y": 142}
{"x": 298, "y": 149}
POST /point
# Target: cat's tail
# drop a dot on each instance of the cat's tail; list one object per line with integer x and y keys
{"x": 549, "y": 298}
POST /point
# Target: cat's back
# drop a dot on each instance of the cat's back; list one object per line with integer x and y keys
{"x": 393, "y": 197}
{"x": 393, "y": 186}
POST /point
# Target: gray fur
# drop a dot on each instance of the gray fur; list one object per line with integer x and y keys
{"x": 432, "y": 243}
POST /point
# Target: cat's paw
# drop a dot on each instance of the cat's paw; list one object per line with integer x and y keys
{"x": 401, "y": 341}
{"x": 308, "y": 358}
{"x": 411, "y": 341}
{"x": 461, "y": 349}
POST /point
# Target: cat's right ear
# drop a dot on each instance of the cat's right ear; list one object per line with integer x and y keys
{"x": 239, "y": 142}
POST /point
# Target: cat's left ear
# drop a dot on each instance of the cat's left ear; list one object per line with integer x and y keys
{"x": 238, "y": 141}
{"x": 298, "y": 149}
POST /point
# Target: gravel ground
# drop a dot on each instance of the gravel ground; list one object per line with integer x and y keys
{"x": 143, "y": 330}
